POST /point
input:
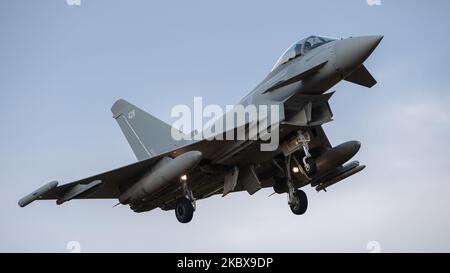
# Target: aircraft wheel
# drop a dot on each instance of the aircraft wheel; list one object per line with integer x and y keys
{"x": 184, "y": 210}
{"x": 301, "y": 204}
{"x": 312, "y": 167}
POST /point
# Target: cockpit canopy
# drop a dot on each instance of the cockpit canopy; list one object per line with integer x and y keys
{"x": 301, "y": 48}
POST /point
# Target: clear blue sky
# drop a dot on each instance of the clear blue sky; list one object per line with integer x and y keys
{"x": 62, "y": 67}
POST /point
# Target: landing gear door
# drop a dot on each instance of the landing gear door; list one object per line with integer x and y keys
{"x": 231, "y": 179}
{"x": 249, "y": 180}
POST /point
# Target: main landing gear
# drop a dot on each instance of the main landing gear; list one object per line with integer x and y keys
{"x": 185, "y": 206}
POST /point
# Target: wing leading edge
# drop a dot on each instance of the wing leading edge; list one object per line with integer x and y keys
{"x": 102, "y": 186}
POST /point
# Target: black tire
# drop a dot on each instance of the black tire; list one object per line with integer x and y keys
{"x": 312, "y": 167}
{"x": 302, "y": 203}
{"x": 184, "y": 210}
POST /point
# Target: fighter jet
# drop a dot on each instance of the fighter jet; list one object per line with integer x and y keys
{"x": 172, "y": 174}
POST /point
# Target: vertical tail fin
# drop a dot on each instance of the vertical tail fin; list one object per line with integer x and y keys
{"x": 146, "y": 134}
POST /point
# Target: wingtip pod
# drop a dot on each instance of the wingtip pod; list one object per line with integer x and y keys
{"x": 37, "y": 193}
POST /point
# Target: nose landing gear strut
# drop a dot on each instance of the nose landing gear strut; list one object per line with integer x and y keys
{"x": 297, "y": 199}
{"x": 308, "y": 162}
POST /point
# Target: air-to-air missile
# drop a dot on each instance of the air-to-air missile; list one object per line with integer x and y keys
{"x": 164, "y": 172}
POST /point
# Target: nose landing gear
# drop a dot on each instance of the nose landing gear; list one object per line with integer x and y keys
{"x": 310, "y": 166}
{"x": 299, "y": 202}
{"x": 308, "y": 162}
{"x": 297, "y": 199}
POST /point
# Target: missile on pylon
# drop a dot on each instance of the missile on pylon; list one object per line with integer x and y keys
{"x": 345, "y": 172}
{"x": 164, "y": 172}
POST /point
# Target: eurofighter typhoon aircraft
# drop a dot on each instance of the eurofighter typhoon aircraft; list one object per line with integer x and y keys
{"x": 172, "y": 174}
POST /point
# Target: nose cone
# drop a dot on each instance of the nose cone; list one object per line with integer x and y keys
{"x": 352, "y": 52}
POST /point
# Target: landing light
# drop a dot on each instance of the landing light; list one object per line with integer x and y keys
{"x": 295, "y": 169}
{"x": 184, "y": 178}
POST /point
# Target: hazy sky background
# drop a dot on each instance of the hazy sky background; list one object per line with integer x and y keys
{"x": 62, "y": 67}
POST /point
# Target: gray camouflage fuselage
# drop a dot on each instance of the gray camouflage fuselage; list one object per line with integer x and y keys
{"x": 340, "y": 59}
{"x": 297, "y": 84}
